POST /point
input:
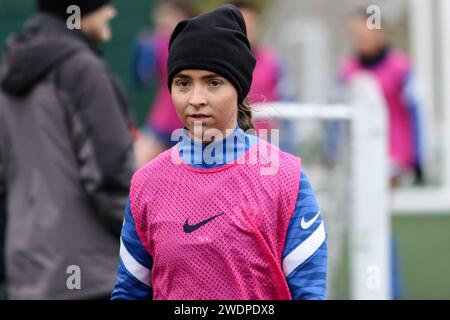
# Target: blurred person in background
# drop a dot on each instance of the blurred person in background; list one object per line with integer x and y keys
{"x": 391, "y": 68}
{"x": 270, "y": 81}
{"x": 149, "y": 66}
{"x": 2, "y": 238}
{"x": 66, "y": 155}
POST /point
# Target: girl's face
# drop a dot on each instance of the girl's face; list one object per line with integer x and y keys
{"x": 96, "y": 24}
{"x": 365, "y": 41}
{"x": 166, "y": 17}
{"x": 205, "y": 98}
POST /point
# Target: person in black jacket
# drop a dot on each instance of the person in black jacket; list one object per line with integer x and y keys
{"x": 2, "y": 241}
{"x": 66, "y": 154}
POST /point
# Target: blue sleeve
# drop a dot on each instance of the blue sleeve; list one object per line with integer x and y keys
{"x": 135, "y": 263}
{"x": 285, "y": 87}
{"x": 413, "y": 101}
{"x": 305, "y": 251}
{"x": 286, "y": 92}
{"x": 335, "y": 130}
{"x": 144, "y": 61}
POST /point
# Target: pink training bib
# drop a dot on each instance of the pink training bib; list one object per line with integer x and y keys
{"x": 216, "y": 233}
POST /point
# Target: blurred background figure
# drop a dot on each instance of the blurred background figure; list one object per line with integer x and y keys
{"x": 270, "y": 81}
{"x": 2, "y": 238}
{"x": 66, "y": 155}
{"x": 149, "y": 66}
{"x": 391, "y": 68}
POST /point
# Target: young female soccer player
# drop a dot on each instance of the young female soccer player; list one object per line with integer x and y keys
{"x": 223, "y": 229}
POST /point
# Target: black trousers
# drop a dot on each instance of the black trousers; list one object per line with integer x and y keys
{"x": 2, "y": 237}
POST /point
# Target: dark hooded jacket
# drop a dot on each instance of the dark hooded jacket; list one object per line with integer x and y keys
{"x": 66, "y": 161}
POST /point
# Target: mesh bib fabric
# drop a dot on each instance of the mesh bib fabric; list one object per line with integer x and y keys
{"x": 216, "y": 233}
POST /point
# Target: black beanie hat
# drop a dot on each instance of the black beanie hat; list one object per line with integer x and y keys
{"x": 59, "y": 7}
{"x": 215, "y": 41}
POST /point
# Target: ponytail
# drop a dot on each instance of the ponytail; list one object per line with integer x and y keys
{"x": 245, "y": 116}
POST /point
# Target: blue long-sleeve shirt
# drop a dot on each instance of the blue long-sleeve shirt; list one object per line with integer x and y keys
{"x": 305, "y": 251}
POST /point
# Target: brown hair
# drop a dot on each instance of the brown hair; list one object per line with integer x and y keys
{"x": 245, "y": 116}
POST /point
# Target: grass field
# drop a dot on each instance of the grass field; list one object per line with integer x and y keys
{"x": 423, "y": 243}
{"x": 424, "y": 255}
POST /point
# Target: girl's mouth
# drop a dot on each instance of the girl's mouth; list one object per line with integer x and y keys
{"x": 199, "y": 117}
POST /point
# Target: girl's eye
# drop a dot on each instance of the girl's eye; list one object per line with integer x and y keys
{"x": 215, "y": 83}
{"x": 182, "y": 83}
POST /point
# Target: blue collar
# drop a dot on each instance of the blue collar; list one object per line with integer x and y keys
{"x": 217, "y": 153}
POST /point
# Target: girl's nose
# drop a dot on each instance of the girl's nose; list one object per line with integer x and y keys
{"x": 197, "y": 98}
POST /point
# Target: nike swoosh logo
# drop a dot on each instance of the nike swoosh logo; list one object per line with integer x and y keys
{"x": 191, "y": 228}
{"x": 306, "y": 224}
